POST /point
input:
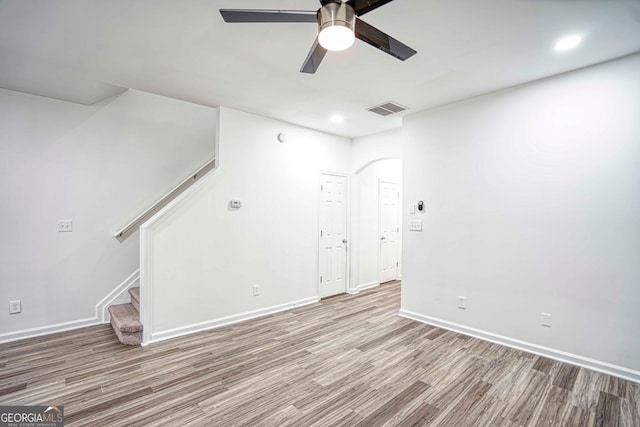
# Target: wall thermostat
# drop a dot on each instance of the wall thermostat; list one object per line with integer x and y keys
{"x": 236, "y": 204}
{"x": 420, "y": 205}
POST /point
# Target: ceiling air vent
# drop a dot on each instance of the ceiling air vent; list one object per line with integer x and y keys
{"x": 387, "y": 108}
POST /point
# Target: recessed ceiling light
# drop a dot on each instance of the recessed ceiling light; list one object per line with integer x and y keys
{"x": 567, "y": 43}
{"x": 337, "y": 118}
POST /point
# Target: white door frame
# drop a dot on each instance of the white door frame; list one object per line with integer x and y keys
{"x": 347, "y": 222}
{"x": 380, "y": 182}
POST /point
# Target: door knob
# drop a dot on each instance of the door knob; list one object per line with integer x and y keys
{"x": 344, "y": 241}
{"x": 383, "y": 238}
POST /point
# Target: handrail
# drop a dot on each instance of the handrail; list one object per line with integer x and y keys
{"x": 133, "y": 226}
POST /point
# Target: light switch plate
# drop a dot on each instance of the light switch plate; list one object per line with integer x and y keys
{"x": 462, "y": 303}
{"x": 545, "y": 319}
{"x": 412, "y": 209}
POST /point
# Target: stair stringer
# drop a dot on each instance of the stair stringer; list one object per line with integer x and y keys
{"x": 119, "y": 295}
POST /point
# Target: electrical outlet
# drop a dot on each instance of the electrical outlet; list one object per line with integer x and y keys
{"x": 65, "y": 226}
{"x": 256, "y": 290}
{"x": 462, "y": 303}
{"x": 15, "y": 307}
{"x": 415, "y": 225}
{"x": 545, "y": 319}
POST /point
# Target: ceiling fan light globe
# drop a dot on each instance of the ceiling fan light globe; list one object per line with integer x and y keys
{"x": 336, "y": 38}
{"x": 336, "y": 21}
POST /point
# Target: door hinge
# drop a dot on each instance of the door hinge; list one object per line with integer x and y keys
{"x": 322, "y": 188}
{"x": 320, "y": 233}
{"x": 320, "y": 279}
{"x": 396, "y": 263}
{"x": 398, "y": 229}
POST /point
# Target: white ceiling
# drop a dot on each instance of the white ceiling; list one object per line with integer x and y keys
{"x": 86, "y": 50}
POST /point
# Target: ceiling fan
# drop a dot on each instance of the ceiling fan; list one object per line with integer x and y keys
{"x": 338, "y": 27}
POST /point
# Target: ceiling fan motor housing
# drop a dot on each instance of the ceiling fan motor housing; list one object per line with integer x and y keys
{"x": 336, "y": 14}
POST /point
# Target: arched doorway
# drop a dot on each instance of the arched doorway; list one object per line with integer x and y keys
{"x": 376, "y": 223}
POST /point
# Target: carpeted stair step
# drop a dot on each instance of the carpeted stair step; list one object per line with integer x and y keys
{"x": 125, "y": 320}
{"x": 135, "y": 297}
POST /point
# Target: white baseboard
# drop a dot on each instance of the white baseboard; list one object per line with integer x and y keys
{"x": 369, "y": 285}
{"x": 100, "y": 316}
{"x": 49, "y": 329}
{"x": 102, "y": 312}
{"x": 573, "y": 359}
{"x": 228, "y": 320}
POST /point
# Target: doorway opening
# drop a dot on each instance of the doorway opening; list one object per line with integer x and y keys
{"x": 376, "y": 224}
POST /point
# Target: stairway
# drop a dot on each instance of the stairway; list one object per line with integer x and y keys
{"x": 125, "y": 319}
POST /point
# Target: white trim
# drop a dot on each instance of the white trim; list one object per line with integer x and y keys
{"x": 354, "y": 234}
{"x": 100, "y": 316}
{"x": 146, "y": 283}
{"x": 369, "y": 285}
{"x": 573, "y": 359}
{"x": 363, "y": 287}
{"x": 228, "y": 320}
{"x": 49, "y": 329}
{"x": 102, "y": 307}
{"x": 216, "y": 138}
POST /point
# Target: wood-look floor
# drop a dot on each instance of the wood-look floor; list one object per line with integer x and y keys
{"x": 347, "y": 361}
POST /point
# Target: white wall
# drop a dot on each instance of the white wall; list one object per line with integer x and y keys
{"x": 533, "y": 205}
{"x": 97, "y": 165}
{"x": 382, "y": 145}
{"x": 204, "y": 258}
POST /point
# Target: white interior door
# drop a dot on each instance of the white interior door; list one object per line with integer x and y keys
{"x": 389, "y": 230}
{"x": 333, "y": 235}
